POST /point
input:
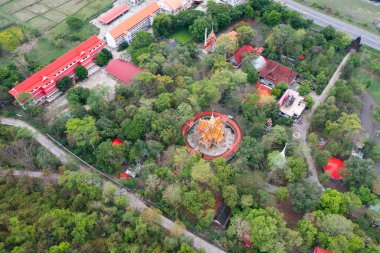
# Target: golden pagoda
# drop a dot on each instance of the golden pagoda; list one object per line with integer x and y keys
{"x": 210, "y": 131}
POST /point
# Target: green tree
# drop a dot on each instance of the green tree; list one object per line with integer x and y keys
{"x": 74, "y": 23}
{"x": 163, "y": 102}
{"x": 333, "y": 201}
{"x": 163, "y": 24}
{"x": 308, "y": 232}
{"x": 201, "y": 172}
{"x": 103, "y": 57}
{"x": 197, "y": 29}
{"x": 295, "y": 169}
{"x": 81, "y": 72}
{"x": 230, "y": 195}
{"x": 172, "y": 195}
{"x": 64, "y": 83}
{"x": 226, "y": 44}
{"x": 360, "y": 172}
{"x": 110, "y": 158}
{"x": 282, "y": 193}
{"x": 78, "y": 95}
{"x": 272, "y": 18}
{"x": 245, "y": 35}
{"x": 305, "y": 196}
{"x": 252, "y": 152}
{"x": 83, "y": 131}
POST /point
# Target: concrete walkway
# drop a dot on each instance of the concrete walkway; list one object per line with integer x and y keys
{"x": 303, "y": 126}
{"x": 134, "y": 201}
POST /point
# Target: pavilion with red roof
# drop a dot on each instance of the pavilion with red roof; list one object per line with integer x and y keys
{"x": 333, "y": 168}
{"x": 237, "y": 58}
{"x": 116, "y": 142}
{"x": 122, "y": 70}
{"x": 321, "y": 250}
{"x": 113, "y": 14}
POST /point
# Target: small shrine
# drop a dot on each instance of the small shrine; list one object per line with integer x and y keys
{"x": 210, "y": 42}
{"x": 210, "y": 132}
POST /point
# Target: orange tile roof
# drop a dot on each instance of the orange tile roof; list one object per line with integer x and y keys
{"x": 125, "y": 26}
{"x": 174, "y": 4}
{"x": 113, "y": 13}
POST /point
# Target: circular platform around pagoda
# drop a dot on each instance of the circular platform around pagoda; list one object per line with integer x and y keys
{"x": 229, "y": 145}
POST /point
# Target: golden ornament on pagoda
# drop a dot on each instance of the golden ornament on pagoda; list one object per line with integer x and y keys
{"x": 210, "y": 132}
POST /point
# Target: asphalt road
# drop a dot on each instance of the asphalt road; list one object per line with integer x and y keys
{"x": 323, "y": 20}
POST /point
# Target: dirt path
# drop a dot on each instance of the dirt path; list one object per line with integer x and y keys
{"x": 303, "y": 125}
{"x": 134, "y": 200}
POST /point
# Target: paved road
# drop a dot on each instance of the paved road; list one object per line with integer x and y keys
{"x": 134, "y": 200}
{"x": 323, "y": 20}
{"x": 304, "y": 125}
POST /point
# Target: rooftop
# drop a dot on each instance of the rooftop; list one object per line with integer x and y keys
{"x": 237, "y": 58}
{"x": 40, "y": 78}
{"x": 125, "y": 26}
{"x": 276, "y": 72}
{"x": 113, "y": 13}
{"x": 291, "y": 103}
{"x": 122, "y": 70}
{"x": 173, "y": 4}
{"x": 333, "y": 166}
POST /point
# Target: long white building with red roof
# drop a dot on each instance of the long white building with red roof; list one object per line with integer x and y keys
{"x": 126, "y": 31}
{"x": 42, "y": 85}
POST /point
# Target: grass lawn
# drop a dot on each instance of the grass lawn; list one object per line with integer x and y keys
{"x": 357, "y": 12}
{"x": 183, "y": 36}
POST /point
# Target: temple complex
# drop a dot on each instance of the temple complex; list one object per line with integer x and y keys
{"x": 210, "y": 132}
{"x": 213, "y": 135}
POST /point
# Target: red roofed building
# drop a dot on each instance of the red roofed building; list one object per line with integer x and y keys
{"x": 333, "y": 168}
{"x": 320, "y": 250}
{"x": 273, "y": 73}
{"x": 237, "y": 58}
{"x": 122, "y": 70}
{"x": 113, "y": 14}
{"x": 140, "y": 21}
{"x": 116, "y": 142}
{"x": 41, "y": 85}
{"x": 125, "y": 176}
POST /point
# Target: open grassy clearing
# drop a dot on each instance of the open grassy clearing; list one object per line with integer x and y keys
{"x": 358, "y": 12}
{"x": 183, "y": 36}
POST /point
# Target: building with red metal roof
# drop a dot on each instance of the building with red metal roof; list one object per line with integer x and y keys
{"x": 122, "y": 70}
{"x": 237, "y": 58}
{"x": 333, "y": 168}
{"x": 126, "y": 31}
{"x": 116, "y": 142}
{"x": 320, "y": 250}
{"x": 113, "y": 14}
{"x": 42, "y": 85}
{"x": 273, "y": 73}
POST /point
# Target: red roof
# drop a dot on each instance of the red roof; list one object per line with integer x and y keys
{"x": 122, "y": 70}
{"x": 124, "y": 175}
{"x": 320, "y": 250}
{"x": 113, "y": 13}
{"x": 132, "y": 21}
{"x": 237, "y": 58}
{"x": 117, "y": 141}
{"x": 47, "y": 73}
{"x": 276, "y": 72}
{"x": 333, "y": 167}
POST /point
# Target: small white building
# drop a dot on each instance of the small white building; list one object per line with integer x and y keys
{"x": 134, "y": 2}
{"x": 233, "y": 2}
{"x": 291, "y": 104}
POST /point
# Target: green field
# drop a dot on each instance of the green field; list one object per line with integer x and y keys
{"x": 48, "y": 17}
{"x": 357, "y": 12}
{"x": 183, "y": 36}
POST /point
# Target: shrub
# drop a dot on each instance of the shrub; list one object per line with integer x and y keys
{"x": 64, "y": 83}
{"x": 74, "y": 23}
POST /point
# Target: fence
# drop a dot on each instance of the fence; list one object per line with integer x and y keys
{"x": 145, "y": 201}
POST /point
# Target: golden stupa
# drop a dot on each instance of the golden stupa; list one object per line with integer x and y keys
{"x": 210, "y": 131}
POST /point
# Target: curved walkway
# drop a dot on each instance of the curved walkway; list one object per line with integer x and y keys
{"x": 134, "y": 200}
{"x": 304, "y": 125}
